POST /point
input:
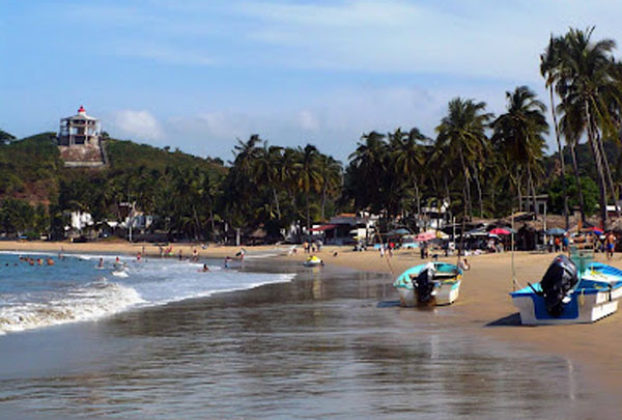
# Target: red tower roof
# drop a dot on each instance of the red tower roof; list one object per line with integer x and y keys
{"x": 81, "y": 109}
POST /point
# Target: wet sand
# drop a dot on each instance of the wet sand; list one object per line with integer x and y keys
{"x": 484, "y": 307}
{"x": 485, "y": 304}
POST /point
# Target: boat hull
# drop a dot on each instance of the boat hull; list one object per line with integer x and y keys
{"x": 596, "y": 296}
{"x": 446, "y": 284}
{"x": 583, "y": 308}
{"x": 446, "y": 293}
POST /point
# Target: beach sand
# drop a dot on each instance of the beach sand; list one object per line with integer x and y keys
{"x": 484, "y": 306}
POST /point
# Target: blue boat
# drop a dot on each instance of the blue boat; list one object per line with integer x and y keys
{"x": 434, "y": 283}
{"x": 569, "y": 294}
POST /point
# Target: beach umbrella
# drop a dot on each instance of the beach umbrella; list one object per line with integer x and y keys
{"x": 425, "y": 236}
{"x": 476, "y": 232}
{"x": 500, "y": 231}
{"x": 555, "y": 231}
{"x": 441, "y": 235}
{"x": 402, "y": 231}
{"x": 597, "y": 231}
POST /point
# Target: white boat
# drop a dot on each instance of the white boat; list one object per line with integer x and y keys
{"x": 313, "y": 261}
{"x": 567, "y": 295}
{"x": 426, "y": 284}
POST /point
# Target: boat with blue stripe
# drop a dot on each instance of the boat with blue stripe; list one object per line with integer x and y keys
{"x": 569, "y": 294}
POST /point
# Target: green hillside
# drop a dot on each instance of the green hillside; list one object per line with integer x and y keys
{"x": 156, "y": 180}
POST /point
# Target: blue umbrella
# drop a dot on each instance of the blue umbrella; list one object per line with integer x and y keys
{"x": 555, "y": 231}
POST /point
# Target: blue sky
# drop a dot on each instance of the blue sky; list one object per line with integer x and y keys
{"x": 199, "y": 74}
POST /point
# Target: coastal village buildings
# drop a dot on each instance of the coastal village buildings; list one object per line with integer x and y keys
{"x": 79, "y": 141}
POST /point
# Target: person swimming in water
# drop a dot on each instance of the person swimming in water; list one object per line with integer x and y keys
{"x": 118, "y": 265}
{"x": 101, "y": 263}
{"x": 205, "y": 268}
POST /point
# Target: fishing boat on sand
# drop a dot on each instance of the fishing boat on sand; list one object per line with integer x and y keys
{"x": 570, "y": 292}
{"x": 434, "y": 283}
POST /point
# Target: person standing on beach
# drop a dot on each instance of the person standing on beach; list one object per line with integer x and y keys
{"x": 610, "y": 242}
{"x": 565, "y": 242}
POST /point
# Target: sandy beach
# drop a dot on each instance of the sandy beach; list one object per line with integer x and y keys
{"x": 484, "y": 306}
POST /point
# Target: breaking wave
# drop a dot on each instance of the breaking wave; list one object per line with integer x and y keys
{"x": 93, "y": 301}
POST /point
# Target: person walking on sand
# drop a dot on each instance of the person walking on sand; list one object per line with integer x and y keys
{"x": 464, "y": 265}
{"x": 610, "y": 242}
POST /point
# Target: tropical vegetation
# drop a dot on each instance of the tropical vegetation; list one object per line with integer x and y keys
{"x": 475, "y": 163}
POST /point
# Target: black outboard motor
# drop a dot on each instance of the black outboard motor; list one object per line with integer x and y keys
{"x": 558, "y": 281}
{"x": 424, "y": 284}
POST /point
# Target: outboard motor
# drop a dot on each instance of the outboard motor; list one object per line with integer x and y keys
{"x": 424, "y": 284}
{"x": 560, "y": 278}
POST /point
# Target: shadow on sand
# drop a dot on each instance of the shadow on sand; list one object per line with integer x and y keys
{"x": 510, "y": 320}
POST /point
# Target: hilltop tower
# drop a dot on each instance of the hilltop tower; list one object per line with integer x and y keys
{"x": 79, "y": 141}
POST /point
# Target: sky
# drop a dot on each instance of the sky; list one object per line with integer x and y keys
{"x": 198, "y": 75}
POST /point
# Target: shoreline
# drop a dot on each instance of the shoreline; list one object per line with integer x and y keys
{"x": 484, "y": 306}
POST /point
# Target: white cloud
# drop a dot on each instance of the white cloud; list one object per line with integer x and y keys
{"x": 139, "y": 125}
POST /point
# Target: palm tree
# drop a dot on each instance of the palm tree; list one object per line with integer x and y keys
{"x": 308, "y": 175}
{"x": 408, "y": 159}
{"x": 369, "y": 162}
{"x": 266, "y": 171}
{"x": 461, "y": 135}
{"x": 520, "y": 133}
{"x": 586, "y": 81}
{"x": 330, "y": 174}
{"x": 549, "y": 69}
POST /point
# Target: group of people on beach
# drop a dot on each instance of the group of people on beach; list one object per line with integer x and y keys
{"x": 310, "y": 247}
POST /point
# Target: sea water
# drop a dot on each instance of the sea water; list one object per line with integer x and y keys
{"x": 86, "y": 287}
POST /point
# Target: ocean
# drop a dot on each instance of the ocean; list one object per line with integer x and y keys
{"x": 262, "y": 340}
{"x": 80, "y": 288}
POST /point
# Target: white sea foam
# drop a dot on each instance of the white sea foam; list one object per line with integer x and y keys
{"x": 95, "y": 300}
{"x": 68, "y": 292}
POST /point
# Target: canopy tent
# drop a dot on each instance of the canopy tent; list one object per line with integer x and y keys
{"x": 476, "y": 232}
{"x": 322, "y": 228}
{"x": 500, "y": 231}
{"x": 555, "y": 231}
{"x": 398, "y": 232}
{"x": 441, "y": 235}
{"x": 425, "y": 236}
